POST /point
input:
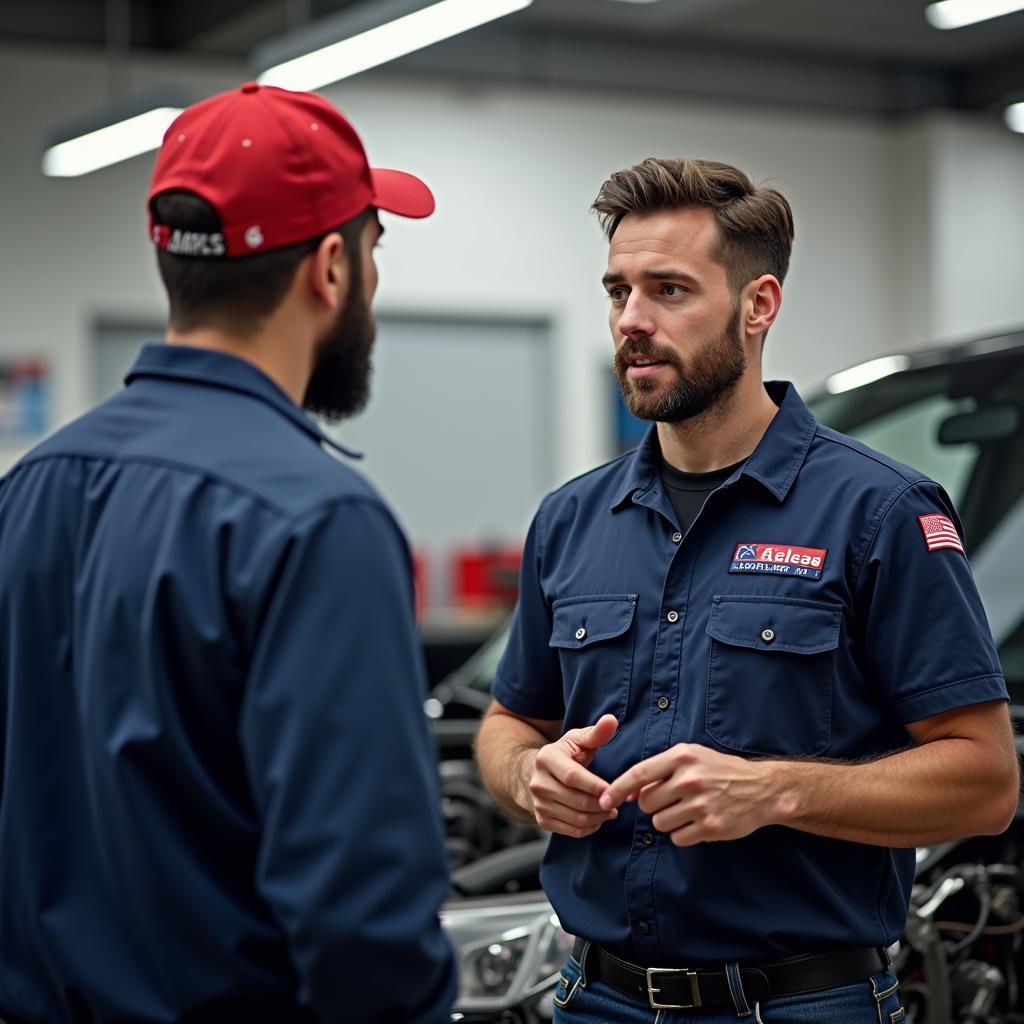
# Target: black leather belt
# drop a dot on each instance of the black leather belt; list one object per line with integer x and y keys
{"x": 682, "y": 988}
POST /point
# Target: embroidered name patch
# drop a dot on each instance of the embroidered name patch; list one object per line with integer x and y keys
{"x": 780, "y": 559}
{"x": 939, "y": 532}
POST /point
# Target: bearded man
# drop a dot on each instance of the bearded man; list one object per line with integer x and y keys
{"x": 218, "y": 797}
{"x": 749, "y": 670}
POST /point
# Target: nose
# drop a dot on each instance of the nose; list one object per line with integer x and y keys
{"x": 635, "y": 317}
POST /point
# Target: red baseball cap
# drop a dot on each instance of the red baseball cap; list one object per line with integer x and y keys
{"x": 279, "y": 167}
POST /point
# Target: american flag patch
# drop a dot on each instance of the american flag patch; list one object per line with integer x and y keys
{"x": 939, "y": 533}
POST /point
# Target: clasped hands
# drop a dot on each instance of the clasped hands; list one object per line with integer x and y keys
{"x": 693, "y": 793}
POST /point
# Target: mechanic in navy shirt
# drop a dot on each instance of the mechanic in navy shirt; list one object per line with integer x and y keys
{"x": 749, "y": 670}
{"x": 219, "y": 798}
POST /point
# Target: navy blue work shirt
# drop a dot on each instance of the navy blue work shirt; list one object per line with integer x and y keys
{"x": 802, "y": 615}
{"x": 218, "y": 798}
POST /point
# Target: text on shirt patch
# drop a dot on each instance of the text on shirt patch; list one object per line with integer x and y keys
{"x": 780, "y": 559}
{"x": 939, "y": 533}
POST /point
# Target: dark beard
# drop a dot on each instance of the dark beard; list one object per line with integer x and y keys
{"x": 701, "y": 381}
{"x": 340, "y": 383}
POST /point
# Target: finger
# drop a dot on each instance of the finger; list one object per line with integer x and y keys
{"x": 654, "y": 769}
{"x": 593, "y": 737}
{"x": 546, "y": 788}
{"x": 672, "y": 819}
{"x": 579, "y": 819}
{"x": 657, "y": 797}
{"x": 554, "y": 760}
{"x": 575, "y": 776}
{"x": 565, "y": 828}
{"x": 691, "y": 834}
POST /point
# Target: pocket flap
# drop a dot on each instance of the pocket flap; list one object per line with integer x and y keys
{"x": 579, "y": 621}
{"x": 775, "y": 624}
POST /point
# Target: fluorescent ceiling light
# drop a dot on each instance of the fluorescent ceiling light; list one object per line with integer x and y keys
{"x": 109, "y": 145}
{"x": 387, "y": 42}
{"x": 957, "y": 13}
{"x": 865, "y": 373}
{"x": 1014, "y": 115}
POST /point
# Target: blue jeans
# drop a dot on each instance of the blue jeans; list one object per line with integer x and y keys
{"x": 875, "y": 1000}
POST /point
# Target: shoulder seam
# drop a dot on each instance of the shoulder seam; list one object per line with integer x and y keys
{"x": 540, "y": 531}
{"x": 328, "y": 506}
{"x": 195, "y": 471}
{"x": 836, "y": 438}
{"x": 884, "y": 509}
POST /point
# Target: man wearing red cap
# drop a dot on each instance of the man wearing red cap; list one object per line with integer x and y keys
{"x": 218, "y": 799}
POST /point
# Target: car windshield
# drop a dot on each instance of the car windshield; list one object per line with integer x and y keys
{"x": 961, "y": 424}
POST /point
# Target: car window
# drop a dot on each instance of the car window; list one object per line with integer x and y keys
{"x": 910, "y": 433}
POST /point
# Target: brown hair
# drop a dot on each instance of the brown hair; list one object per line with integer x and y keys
{"x": 755, "y": 225}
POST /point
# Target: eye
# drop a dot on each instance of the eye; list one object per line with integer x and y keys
{"x": 673, "y": 290}
{"x": 618, "y": 294}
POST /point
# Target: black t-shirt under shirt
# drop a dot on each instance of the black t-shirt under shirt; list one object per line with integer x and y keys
{"x": 688, "y": 491}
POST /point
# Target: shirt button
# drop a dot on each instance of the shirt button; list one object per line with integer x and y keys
{"x": 580, "y": 633}
{"x": 673, "y": 616}
{"x": 647, "y": 838}
{"x": 663, "y": 702}
{"x": 676, "y": 538}
{"x": 643, "y": 928}
{"x": 767, "y": 635}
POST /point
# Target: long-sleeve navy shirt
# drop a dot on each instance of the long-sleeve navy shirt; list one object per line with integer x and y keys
{"x": 218, "y": 799}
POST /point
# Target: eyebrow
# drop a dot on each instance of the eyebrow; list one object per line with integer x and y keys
{"x": 657, "y": 274}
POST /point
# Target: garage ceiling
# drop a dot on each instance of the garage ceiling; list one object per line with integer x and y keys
{"x": 877, "y": 56}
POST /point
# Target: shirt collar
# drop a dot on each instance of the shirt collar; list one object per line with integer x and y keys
{"x": 774, "y": 463}
{"x": 220, "y": 370}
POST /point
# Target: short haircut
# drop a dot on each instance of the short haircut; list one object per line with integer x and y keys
{"x": 755, "y": 225}
{"x": 232, "y": 293}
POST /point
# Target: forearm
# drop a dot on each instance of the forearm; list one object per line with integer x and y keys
{"x": 506, "y": 749}
{"x": 942, "y": 790}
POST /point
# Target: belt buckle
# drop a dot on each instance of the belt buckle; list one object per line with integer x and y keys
{"x": 652, "y": 991}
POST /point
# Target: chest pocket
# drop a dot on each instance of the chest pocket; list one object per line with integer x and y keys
{"x": 594, "y": 639}
{"x": 770, "y": 674}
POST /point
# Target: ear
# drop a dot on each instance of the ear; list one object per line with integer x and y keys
{"x": 329, "y": 272}
{"x": 759, "y": 305}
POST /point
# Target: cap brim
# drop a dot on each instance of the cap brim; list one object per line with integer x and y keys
{"x": 401, "y": 193}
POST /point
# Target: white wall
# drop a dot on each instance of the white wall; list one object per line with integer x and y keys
{"x": 977, "y": 215}
{"x": 514, "y": 171}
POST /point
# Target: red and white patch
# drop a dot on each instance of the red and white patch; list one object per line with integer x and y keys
{"x": 780, "y": 559}
{"x": 940, "y": 533}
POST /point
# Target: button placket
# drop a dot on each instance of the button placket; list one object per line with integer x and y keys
{"x": 671, "y": 616}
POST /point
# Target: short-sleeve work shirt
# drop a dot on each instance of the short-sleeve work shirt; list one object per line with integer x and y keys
{"x": 804, "y": 614}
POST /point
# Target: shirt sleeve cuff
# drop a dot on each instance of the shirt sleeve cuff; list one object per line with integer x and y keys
{"x": 509, "y": 696}
{"x": 958, "y": 694}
